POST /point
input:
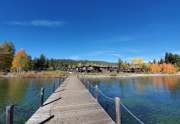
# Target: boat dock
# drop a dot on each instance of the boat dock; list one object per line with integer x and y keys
{"x": 71, "y": 103}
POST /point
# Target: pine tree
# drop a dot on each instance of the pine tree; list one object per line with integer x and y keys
{"x": 7, "y": 51}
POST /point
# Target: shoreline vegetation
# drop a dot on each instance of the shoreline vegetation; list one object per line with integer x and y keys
{"x": 34, "y": 74}
{"x": 125, "y": 75}
{"x": 58, "y": 74}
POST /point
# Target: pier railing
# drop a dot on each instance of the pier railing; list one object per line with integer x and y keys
{"x": 8, "y": 115}
{"x": 116, "y": 103}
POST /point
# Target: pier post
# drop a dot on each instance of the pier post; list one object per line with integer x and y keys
{"x": 9, "y": 114}
{"x": 118, "y": 111}
{"x": 54, "y": 86}
{"x": 88, "y": 85}
{"x": 97, "y": 92}
{"x": 42, "y": 96}
{"x": 59, "y": 82}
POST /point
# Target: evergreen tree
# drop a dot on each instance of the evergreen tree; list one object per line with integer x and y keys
{"x": 120, "y": 65}
{"x": 7, "y": 51}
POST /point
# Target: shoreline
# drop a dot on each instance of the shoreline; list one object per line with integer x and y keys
{"x": 126, "y": 75}
{"x": 58, "y": 74}
{"x": 34, "y": 74}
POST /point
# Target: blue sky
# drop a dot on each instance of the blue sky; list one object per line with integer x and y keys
{"x": 92, "y": 29}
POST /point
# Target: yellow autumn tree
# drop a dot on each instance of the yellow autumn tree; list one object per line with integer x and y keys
{"x": 20, "y": 61}
{"x": 154, "y": 68}
{"x": 137, "y": 61}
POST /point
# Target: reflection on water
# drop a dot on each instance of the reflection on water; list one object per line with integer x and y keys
{"x": 25, "y": 94}
{"x": 11, "y": 92}
{"x": 152, "y": 99}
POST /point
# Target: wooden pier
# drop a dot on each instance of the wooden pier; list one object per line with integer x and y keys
{"x": 71, "y": 103}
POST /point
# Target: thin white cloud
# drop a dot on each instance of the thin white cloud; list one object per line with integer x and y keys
{"x": 116, "y": 52}
{"x": 42, "y": 23}
{"x": 75, "y": 57}
{"x": 116, "y": 55}
{"x": 102, "y": 52}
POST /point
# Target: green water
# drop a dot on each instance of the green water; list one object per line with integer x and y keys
{"x": 155, "y": 100}
{"x": 25, "y": 94}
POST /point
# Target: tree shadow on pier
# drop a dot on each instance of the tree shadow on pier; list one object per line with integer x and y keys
{"x": 52, "y": 101}
{"x": 46, "y": 120}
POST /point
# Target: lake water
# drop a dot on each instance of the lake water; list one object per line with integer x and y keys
{"x": 154, "y": 100}
{"x": 25, "y": 94}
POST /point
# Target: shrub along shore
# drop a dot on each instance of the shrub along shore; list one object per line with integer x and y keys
{"x": 35, "y": 74}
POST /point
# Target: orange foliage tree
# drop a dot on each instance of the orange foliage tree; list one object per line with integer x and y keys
{"x": 20, "y": 61}
{"x": 168, "y": 68}
{"x": 154, "y": 68}
{"x": 164, "y": 68}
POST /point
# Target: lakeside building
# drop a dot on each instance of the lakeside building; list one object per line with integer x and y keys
{"x": 104, "y": 69}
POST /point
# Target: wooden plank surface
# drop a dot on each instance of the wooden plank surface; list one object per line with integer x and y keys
{"x": 71, "y": 104}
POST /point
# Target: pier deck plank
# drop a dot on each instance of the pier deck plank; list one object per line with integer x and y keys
{"x": 71, "y": 103}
